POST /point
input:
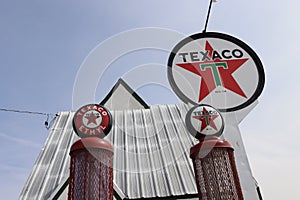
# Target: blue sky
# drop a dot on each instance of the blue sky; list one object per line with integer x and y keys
{"x": 44, "y": 43}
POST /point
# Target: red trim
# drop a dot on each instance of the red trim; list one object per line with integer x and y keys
{"x": 91, "y": 142}
{"x": 208, "y": 142}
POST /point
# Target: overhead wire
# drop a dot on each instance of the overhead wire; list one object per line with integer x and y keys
{"x": 24, "y": 111}
{"x": 46, "y": 123}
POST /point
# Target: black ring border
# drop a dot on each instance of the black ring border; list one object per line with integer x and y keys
{"x": 105, "y": 131}
{"x": 191, "y": 129}
{"x": 244, "y": 46}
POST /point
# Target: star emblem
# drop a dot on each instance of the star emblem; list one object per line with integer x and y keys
{"x": 206, "y": 120}
{"x": 215, "y": 73}
{"x": 91, "y": 117}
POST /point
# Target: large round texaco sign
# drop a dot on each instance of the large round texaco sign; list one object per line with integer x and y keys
{"x": 215, "y": 69}
{"x": 92, "y": 120}
{"x": 204, "y": 120}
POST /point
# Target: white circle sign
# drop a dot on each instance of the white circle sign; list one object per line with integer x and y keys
{"x": 203, "y": 120}
{"x": 215, "y": 69}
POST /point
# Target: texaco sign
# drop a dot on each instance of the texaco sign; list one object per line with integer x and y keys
{"x": 92, "y": 120}
{"x": 215, "y": 69}
{"x": 203, "y": 120}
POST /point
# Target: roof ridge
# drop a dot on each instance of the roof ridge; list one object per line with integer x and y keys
{"x": 129, "y": 89}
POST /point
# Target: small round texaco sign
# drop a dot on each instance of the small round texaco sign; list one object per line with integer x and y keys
{"x": 92, "y": 120}
{"x": 203, "y": 120}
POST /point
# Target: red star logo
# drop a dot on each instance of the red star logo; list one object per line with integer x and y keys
{"x": 215, "y": 73}
{"x": 206, "y": 120}
{"x": 92, "y": 118}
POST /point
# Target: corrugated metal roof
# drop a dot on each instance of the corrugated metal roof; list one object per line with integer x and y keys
{"x": 52, "y": 165}
{"x": 151, "y": 154}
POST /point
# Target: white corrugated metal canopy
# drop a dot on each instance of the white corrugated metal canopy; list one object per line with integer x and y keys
{"x": 151, "y": 156}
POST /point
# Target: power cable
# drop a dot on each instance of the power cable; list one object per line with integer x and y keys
{"x": 47, "y": 123}
{"x": 24, "y": 111}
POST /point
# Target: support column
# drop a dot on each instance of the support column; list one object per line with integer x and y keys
{"x": 215, "y": 170}
{"x": 91, "y": 170}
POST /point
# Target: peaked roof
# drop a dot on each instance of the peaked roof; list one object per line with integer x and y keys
{"x": 122, "y": 96}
